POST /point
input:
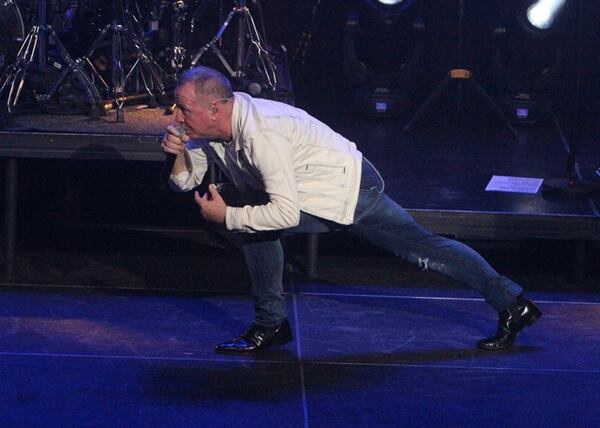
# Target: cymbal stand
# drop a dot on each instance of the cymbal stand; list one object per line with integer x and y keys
{"x": 178, "y": 53}
{"x": 246, "y": 28}
{"x": 144, "y": 65}
{"x": 35, "y": 43}
{"x": 14, "y": 76}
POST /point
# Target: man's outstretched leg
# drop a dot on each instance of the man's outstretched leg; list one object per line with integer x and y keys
{"x": 264, "y": 258}
{"x": 387, "y": 225}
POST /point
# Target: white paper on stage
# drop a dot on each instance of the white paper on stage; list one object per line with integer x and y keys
{"x": 501, "y": 183}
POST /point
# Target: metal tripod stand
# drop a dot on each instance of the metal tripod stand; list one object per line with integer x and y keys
{"x": 572, "y": 184}
{"x": 459, "y": 75}
{"x": 246, "y": 28}
{"x": 177, "y": 54}
{"x": 144, "y": 66}
{"x": 35, "y": 43}
{"x": 172, "y": 58}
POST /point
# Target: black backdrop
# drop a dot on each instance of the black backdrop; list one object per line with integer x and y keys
{"x": 322, "y": 71}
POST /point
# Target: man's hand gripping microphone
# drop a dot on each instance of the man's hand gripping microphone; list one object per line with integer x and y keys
{"x": 170, "y": 159}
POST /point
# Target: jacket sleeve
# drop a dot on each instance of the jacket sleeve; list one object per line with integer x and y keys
{"x": 270, "y": 157}
{"x": 197, "y": 160}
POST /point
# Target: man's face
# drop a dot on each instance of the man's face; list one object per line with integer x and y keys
{"x": 196, "y": 117}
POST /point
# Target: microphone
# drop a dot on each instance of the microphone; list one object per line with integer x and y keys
{"x": 179, "y": 129}
{"x": 170, "y": 160}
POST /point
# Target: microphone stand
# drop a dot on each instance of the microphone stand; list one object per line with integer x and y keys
{"x": 572, "y": 184}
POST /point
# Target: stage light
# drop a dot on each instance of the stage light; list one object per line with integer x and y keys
{"x": 391, "y": 2}
{"x": 390, "y": 6}
{"x": 383, "y": 43}
{"x": 541, "y": 14}
{"x": 529, "y": 58}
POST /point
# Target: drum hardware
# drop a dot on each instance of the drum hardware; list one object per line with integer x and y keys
{"x": 12, "y": 31}
{"x": 12, "y": 7}
{"x": 147, "y": 71}
{"x": 198, "y": 15}
{"x": 257, "y": 49}
{"x": 36, "y": 43}
{"x": 127, "y": 100}
{"x": 172, "y": 55}
{"x": 178, "y": 53}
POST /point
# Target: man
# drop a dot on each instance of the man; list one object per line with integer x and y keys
{"x": 314, "y": 178}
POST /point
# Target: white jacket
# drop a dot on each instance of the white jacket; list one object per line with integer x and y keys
{"x": 301, "y": 163}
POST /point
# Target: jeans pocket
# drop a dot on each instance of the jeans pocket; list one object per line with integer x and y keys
{"x": 370, "y": 178}
{"x": 367, "y": 199}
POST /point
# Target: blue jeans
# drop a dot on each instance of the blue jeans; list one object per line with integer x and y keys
{"x": 385, "y": 224}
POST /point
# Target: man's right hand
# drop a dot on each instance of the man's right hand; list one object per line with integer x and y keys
{"x": 173, "y": 142}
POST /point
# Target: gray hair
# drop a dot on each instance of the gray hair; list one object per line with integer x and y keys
{"x": 208, "y": 83}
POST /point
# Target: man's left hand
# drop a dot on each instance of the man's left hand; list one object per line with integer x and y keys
{"x": 212, "y": 206}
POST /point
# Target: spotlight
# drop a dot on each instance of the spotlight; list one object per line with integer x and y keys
{"x": 399, "y": 5}
{"x": 528, "y": 58}
{"x": 383, "y": 44}
{"x": 541, "y": 14}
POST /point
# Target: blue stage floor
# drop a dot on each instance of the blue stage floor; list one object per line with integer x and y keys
{"x": 362, "y": 356}
{"x": 118, "y": 292}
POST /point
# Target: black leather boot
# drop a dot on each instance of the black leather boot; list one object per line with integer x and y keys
{"x": 512, "y": 320}
{"x": 257, "y": 338}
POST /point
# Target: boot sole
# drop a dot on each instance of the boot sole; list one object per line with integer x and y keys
{"x": 240, "y": 351}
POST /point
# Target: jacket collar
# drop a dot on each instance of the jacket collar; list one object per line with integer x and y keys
{"x": 238, "y": 113}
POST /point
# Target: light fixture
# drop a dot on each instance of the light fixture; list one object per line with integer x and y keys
{"x": 573, "y": 183}
{"x": 404, "y": 4}
{"x": 542, "y": 13}
{"x": 529, "y": 58}
{"x": 382, "y": 54}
